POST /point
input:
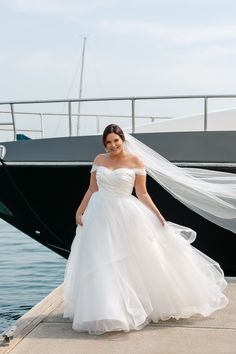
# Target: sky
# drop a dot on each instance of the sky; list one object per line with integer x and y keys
{"x": 133, "y": 48}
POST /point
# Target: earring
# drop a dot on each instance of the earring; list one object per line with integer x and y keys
{"x": 106, "y": 150}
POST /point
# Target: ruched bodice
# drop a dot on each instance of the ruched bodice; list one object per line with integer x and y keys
{"x": 119, "y": 182}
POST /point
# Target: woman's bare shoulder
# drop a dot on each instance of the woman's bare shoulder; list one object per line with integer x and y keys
{"x": 99, "y": 159}
{"x": 136, "y": 161}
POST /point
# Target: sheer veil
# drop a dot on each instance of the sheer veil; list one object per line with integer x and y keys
{"x": 211, "y": 194}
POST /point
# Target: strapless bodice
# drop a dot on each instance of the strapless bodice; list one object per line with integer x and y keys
{"x": 118, "y": 182}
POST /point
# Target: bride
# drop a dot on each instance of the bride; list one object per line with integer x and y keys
{"x": 128, "y": 266}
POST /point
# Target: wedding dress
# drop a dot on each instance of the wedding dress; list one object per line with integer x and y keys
{"x": 126, "y": 270}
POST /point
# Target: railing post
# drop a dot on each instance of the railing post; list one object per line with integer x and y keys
{"x": 13, "y": 120}
{"x": 70, "y": 118}
{"x": 41, "y": 123}
{"x": 133, "y": 114}
{"x": 97, "y": 124}
{"x": 205, "y": 113}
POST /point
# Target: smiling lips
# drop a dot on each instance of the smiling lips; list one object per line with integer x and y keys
{"x": 114, "y": 149}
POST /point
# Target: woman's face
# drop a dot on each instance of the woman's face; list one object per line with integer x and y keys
{"x": 114, "y": 144}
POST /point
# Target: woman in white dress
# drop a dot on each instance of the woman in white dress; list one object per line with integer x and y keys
{"x": 128, "y": 266}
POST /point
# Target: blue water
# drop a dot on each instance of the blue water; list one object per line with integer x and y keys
{"x": 28, "y": 272}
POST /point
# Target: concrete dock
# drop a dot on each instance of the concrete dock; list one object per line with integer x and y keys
{"x": 43, "y": 330}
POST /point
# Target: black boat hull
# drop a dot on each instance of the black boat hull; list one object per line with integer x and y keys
{"x": 42, "y": 197}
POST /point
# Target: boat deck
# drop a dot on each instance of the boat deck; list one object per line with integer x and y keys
{"x": 43, "y": 330}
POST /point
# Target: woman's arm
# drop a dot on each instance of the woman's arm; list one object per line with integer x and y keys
{"x": 93, "y": 187}
{"x": 143, "y": 196}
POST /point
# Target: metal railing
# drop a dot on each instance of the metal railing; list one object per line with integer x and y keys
{"x": 13, "y": 122}
{"x": 132, "y": 101}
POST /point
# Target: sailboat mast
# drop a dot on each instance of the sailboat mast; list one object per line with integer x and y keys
{"x": 81, "y": 84}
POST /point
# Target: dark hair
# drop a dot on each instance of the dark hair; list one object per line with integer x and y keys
{"x": 112, "y": 128}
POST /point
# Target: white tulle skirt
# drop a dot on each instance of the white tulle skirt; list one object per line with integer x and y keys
{"x": 125, "y": 270}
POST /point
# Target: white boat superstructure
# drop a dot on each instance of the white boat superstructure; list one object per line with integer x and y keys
{"x": 224, "y": 119}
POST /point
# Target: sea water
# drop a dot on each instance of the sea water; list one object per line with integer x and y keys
{"x": 28, "y": 272}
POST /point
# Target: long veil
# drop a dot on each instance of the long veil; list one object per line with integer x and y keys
{"x": 211, "y": 194}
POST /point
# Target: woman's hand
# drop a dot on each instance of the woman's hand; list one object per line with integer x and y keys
{"x": 78, "y": 219}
